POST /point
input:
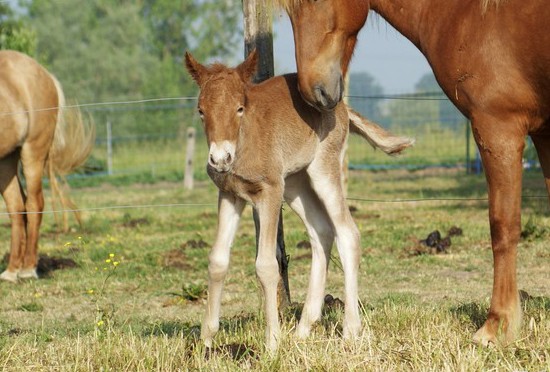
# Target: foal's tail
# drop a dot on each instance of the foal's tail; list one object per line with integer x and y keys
{"x": 72, "y": 143}
{"x": 377, "y": 136}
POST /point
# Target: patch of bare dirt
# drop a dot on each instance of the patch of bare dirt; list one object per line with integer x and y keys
{"x": 176, "y": 258}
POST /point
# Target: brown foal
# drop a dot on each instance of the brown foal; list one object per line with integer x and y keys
{"x": 267, "y": 144}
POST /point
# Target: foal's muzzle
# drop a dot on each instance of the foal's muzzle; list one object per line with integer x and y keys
{"x": 221, "y": 156}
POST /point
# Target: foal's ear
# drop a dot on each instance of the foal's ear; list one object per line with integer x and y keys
{"x": 248, "y": 68}
{"x": 195, "y": 69}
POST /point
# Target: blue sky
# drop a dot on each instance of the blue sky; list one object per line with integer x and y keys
{"x": 382, "y": 51}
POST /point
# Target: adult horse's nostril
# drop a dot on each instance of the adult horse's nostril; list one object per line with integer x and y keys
{"x": 324, "y": 100}
{"x": 320, "y": 95}
{"x": 228, "y": 159}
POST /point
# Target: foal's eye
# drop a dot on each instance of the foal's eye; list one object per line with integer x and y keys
{"x": 201, "y": 113}
{"x": 240, "y": 111}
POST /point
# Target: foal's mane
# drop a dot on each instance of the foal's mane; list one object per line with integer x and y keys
{"x": 290, "y": 5}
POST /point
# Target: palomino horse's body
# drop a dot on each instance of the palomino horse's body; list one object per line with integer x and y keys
{"x": 265, "y": 144}
{"x": 492, "y": 59}
{"x": 33, "y": 132}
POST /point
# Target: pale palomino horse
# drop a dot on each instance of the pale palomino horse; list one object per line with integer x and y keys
{"x": 33, "y": 133}
{"x": 265, "y": 145}
{"x": 491, "y": 58}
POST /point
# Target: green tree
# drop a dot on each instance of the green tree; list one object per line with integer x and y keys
{"x": 448, "y": 113}
{"x": 364, "y": 95}
{"x": 14, "y": 34}
{"x": 118, "y": 50}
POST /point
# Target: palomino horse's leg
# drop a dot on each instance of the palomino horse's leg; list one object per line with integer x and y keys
{"x": 230, "y": 209}
{"x": 501, "y": 157}
{"x": 33, "y": 158}
{"x": 542, "y": 144}
{"x": 328, "y": 187}
{"x": 267, "y": 268}
{"x": 15, "y": 202}
{"x": 303, "y": 200}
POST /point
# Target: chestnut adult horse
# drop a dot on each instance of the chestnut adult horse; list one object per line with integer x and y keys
{"x": 33, "y": 132}
{"x": 492, "y": 59}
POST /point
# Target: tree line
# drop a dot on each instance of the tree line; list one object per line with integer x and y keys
{"x": 120, "y": 50}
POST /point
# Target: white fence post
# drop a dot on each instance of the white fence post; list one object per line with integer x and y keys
{"x": 109, "y": 149}
{"x": 189, "y": 159}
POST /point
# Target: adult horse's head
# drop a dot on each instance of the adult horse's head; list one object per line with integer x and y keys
{"x": 325, "y": 33}
{"x": 222, "y": 105}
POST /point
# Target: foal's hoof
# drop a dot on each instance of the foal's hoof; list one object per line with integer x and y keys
{"x": 28, "y": 274}
{"x": 9, "y": 276}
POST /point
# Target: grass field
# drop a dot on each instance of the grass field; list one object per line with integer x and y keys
{"x": 135, "y": 299}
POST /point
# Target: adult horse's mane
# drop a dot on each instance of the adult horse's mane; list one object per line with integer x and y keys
{"x": 289, "y": 5}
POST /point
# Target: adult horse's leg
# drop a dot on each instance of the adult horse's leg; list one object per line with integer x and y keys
{"x": 302, "y": 199}
{"x": 15, "y": 202}
{"x": 33, "y": 159}
{"x": 267, "y": 268}
{"x": 230, "y": 209}
{"x": 501, "y": 153}
{"x": 328, "y": 187}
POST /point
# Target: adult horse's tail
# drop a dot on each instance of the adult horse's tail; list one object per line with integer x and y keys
{"x": 72, "y": 143}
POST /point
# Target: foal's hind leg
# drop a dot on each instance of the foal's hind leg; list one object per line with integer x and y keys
{"x": 542, "y": 144}
{"x": 15, "y": 202}
{"x": 306, "y": 204}
{"x": 325, "y": 180}
{"x": 230, "y": 209}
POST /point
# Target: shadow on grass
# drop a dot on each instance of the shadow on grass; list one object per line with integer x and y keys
{"x": 237, "y": 351}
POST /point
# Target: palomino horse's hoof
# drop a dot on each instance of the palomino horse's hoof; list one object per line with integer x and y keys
{"x": 28, "y": 274}
{"x": 9, "y": 276}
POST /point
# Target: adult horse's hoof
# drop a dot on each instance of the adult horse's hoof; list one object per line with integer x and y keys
{"x": 9, "y": 276}
{"x": 28, "y": 274}
{"x": 499, "y": 332}
{"x": 484, "y": 337}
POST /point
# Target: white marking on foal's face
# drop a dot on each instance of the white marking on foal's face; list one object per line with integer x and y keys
{"x": 221, "y": 156}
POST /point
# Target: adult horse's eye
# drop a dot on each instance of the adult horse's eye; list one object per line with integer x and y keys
{"x": 201, "y": 113}
{"x": 240, "y": 111}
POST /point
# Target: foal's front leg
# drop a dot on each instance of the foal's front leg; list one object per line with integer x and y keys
{"x": 267, "y": 268}
{"x": 230, "y": 209}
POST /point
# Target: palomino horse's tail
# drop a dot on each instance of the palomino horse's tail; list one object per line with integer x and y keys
{"x": 73, "y": 141}
{"x": 376, "y": 135}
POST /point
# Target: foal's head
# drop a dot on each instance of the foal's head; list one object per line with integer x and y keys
{"x": 222, "y": 105}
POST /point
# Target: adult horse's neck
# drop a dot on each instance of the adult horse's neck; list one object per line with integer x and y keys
{"x": 405, "y": 16}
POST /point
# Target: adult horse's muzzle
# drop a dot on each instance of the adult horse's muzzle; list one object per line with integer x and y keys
{"x": 325, "y": 95}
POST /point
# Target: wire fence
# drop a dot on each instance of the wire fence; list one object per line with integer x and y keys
{"x": 145, "y": 140}
{"x": 147, "y": 136}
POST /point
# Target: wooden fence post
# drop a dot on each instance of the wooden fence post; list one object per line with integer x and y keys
{"x": 109, "y": 148}
{"x": 258, "y": 34}
{"x": 189, "y": 158}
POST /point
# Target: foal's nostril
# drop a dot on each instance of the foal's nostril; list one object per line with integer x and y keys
{"x": 228, "y": 159}
{"x": 211, "y": 160}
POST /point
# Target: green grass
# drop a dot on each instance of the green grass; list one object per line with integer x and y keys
{"x": 419, "y": 311}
